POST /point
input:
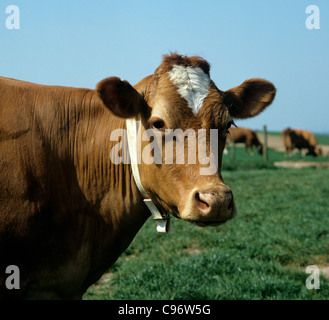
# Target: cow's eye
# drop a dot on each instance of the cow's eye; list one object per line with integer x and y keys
{"x": 158, "y": 124}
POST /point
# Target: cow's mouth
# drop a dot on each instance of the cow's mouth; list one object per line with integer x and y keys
{"x": 207, "y": 223}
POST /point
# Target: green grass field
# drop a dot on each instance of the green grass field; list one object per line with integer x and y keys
{"x": 245, "y": 161}
{"x": 282, "y": 227}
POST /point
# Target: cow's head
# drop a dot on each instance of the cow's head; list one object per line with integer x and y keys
{"x": 260, "y": 149}
{"x": 314, "y": 151}
{"x": 181, "y": 95}
{"x": 318, "y": 151}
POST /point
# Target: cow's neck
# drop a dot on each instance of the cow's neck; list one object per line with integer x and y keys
{"x": 108, "y": 188}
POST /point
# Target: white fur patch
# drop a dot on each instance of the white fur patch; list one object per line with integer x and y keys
{"x": 192, "y": 84}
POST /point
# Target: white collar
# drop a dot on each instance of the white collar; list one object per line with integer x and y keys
{"x": 163, "y": 221}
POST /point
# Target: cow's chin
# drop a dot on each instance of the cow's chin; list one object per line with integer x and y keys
{"x": 200, "y": 223}
{"x": 197, "y": 219}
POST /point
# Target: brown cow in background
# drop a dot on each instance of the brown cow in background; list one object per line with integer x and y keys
{"x": 300, "y": 139}
{"x": 247, "y": 136}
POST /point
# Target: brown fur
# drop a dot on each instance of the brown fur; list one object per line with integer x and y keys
{"x": 177, "y": 59}
{"x": 300, "y": 139}
{"x": 247, "y": 136}
{"x": 66, "y": 211}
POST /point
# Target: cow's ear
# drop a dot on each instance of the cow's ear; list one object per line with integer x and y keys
{"x": 120, "y": 97}
{"x": 250, "y": 98}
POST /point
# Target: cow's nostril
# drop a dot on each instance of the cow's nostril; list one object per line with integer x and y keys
{"x": 200, "y": 203}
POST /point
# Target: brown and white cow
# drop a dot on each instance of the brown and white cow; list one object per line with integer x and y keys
{"x": 300, "y": 139}
{"x": 246, "y": 136}
{"x": 67, "y": 211}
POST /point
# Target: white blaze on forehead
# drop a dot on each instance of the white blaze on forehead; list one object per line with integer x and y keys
{"x": 192, "y": 85}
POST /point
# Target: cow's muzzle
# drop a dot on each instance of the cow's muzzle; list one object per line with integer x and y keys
{"x": 210, "y": 205}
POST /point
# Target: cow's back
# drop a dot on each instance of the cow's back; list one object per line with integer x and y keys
{"x": 309, "y": 136}
{"x": 244, "y": 135}
{"x": 239, "y": 134}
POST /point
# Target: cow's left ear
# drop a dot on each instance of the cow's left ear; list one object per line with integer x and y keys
{"x": 250, "y": 98}
{"x": 120, "y": 97}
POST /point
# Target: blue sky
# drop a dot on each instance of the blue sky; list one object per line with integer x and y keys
{"x": 78, "y": 43}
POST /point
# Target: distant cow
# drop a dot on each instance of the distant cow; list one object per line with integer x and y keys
{"x": 246, "y": 136}
{"x": 300, "y": 139}
{"x": 67, "y": 210}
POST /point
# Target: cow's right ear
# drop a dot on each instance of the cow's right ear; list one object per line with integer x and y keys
{"x": 120, "y": 97}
